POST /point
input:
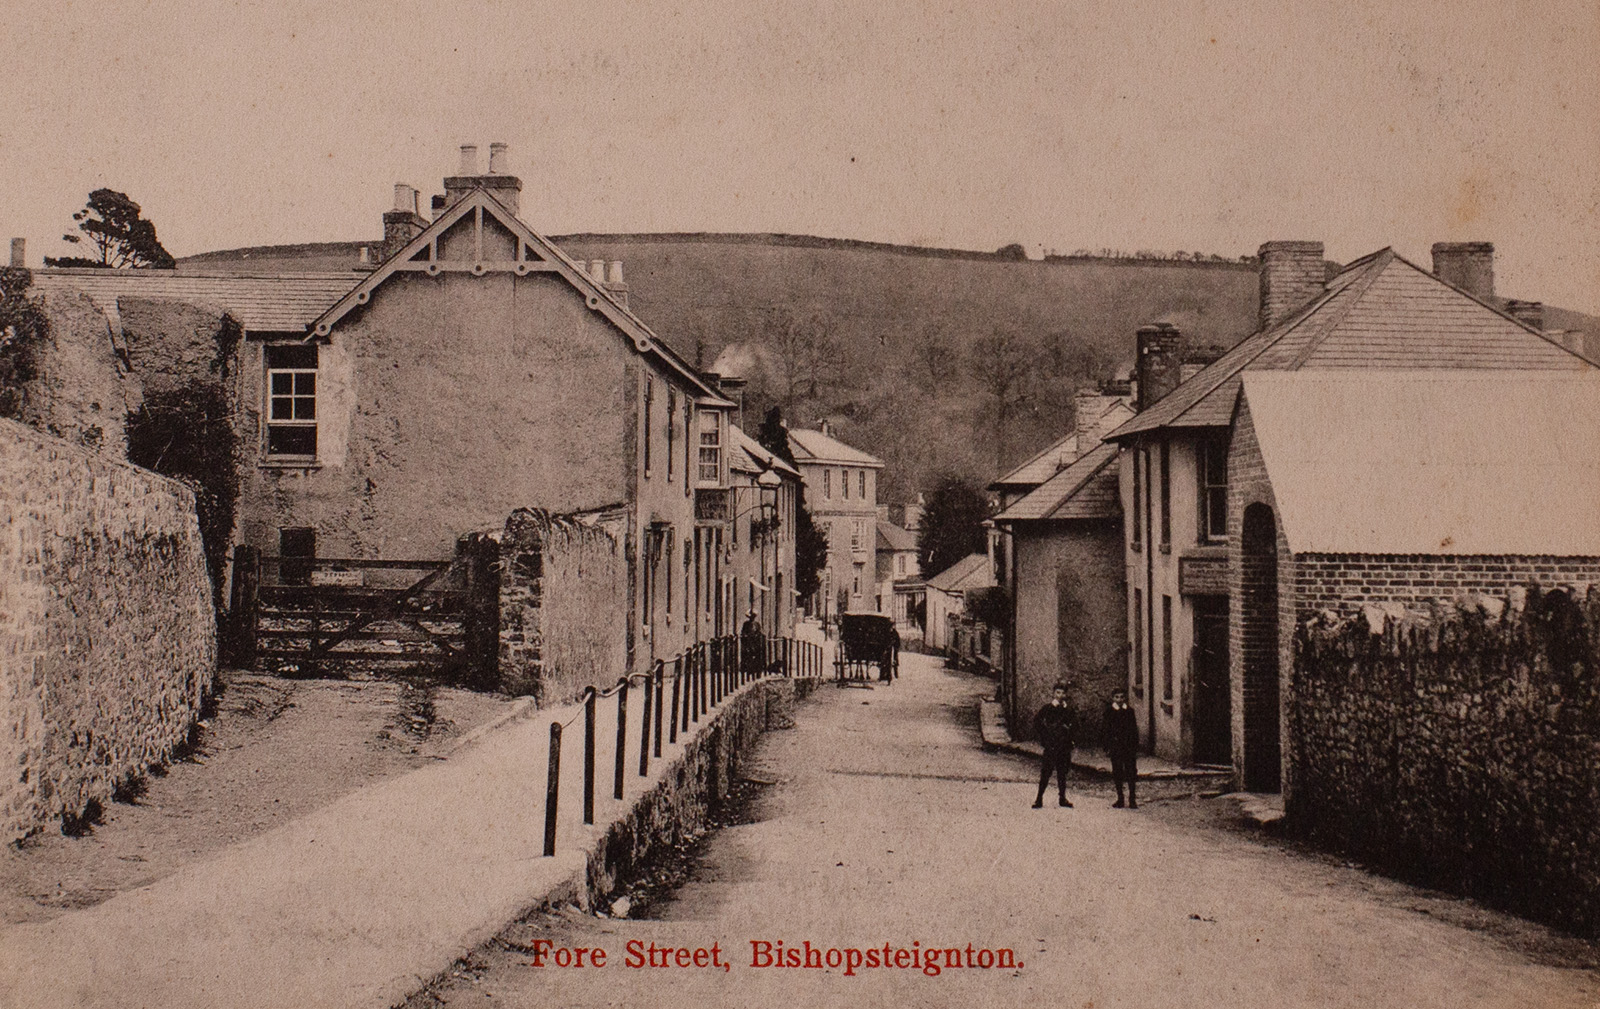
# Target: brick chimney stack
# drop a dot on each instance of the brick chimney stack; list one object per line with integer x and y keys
{"x": 505, "y": 188}
{"x": 1292, "y": 273}
{"x": 19, "y": 253}
{"x": 1467, "y": 265}
{"x": 401, "y": 224}
{"x": 1529, "y": 313}
{"x": 1160, "y": 365}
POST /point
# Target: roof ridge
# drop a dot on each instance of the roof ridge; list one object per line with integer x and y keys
{"x": 1036, "y": 456}
{"x": 1498, "y": 310}
{"x": 1096, "y": 471}
{"x": 1380, "y": 262}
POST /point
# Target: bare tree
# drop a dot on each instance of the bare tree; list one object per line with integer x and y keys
{"x": 809, "y": 355}
{"x": 1004, "y": 364}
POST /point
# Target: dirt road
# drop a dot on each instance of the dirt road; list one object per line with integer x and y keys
{"x": 888, "y": 829}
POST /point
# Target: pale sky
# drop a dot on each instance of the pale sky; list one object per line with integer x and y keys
{"x": 1195, "y": 126}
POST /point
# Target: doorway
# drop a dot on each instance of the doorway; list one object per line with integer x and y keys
{"x": 1258, "y": 614}
{"x": 1213, "y": 717}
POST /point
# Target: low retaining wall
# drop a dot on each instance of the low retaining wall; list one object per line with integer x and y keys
{"x": 1459, "y": 748}
{"x": 107, "y": 635}
{"x": 693, "y": 786}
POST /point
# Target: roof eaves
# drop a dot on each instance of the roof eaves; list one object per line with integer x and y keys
{"x": 596, "y": 297}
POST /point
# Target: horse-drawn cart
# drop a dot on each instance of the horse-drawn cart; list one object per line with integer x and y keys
{"x": 868, "y": 643}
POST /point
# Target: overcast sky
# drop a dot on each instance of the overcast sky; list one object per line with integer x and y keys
{"x": 1198, "y": 126}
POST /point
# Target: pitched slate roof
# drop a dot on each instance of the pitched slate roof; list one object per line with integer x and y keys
{"x": 1056, "y": 456}
{"x": 1086, "y": 489}
{"x": 262, "y": 302}
{"x": 542, "y": 255}
{"x": 970, "y": 572}
{"x": 746, "y": 455}
{"x": 1431, "y": 462}
{"x": 814, "y": 446}
{"x": 1380, "y": 312}
{"x": 893, "y": 538}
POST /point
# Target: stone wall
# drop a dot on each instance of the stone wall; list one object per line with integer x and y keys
{"x": 675, "y": 809}
{"x": 107, "y": 640}
{"x": 1460, "y": 748}
{"x": 83, "y": 392}
{"x": 563, "y": 605}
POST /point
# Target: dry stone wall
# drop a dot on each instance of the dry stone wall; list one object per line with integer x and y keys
{"x": 1460, "y": 748}
{"x": 107, "y": 640}
{"x": 563, "y": 605}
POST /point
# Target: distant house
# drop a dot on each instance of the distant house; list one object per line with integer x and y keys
{"x": 1057, "y": 544}
{"x": 897, "y": 572}
{"x": 758, "y": 543}
{"x": 1213, "y": 560}
{"x": 842, "y": 494}
{"x": 946, "y": 599}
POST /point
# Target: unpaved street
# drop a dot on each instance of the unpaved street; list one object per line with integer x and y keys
{"x": 889, "y": 827}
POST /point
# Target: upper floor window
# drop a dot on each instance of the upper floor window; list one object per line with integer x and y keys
{"x": 844, "y": 483}
{"x": 827, "y": 483}
{"x": 672, "y": 420}
{"x": 861, "y": 484}
{"x": 649, "y": 417}
{"x": 1136, "y": 528}
{"x": 292, "y": 400}
{"x": 1213, "y": 490}
{"x": 1166, "y": 497}
{"x": 711, "y": 446}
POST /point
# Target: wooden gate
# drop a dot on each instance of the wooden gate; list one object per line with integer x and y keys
{"x": 325, "y": 616}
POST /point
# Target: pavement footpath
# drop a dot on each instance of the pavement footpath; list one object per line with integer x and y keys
{"x": 357, "y": 904}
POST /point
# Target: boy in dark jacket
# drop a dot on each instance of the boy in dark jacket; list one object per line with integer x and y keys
{"x": 1122, "y": 746}
{"x": 1054, "y": 727}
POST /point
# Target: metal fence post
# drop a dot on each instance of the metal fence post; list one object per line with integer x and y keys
{"x": 588, "y": 755}
{"x": 552, "y": 789}
{"x": 644, "y": 728}
{"x": 622, "y": 735}
{"x": 677, "y": 686}
{"x": 661, "y": 687}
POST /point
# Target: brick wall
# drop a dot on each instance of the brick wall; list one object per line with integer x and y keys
{"x": 1346, "y": 582}
{"x": 107, "y": 640}
{"x": 1263, "y": 610}
{"x": 563, "y": 605}
{"x": 1460, "y": 748}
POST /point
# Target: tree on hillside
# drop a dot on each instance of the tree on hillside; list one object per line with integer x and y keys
{"x": 810, "y": 545}
{"x": 952, "y": 524}
{"x": 809, "y": 354}
{"x": 119, "y": 235}
{"x": 938, "y": 356}
{"x": 1004, "y": 364}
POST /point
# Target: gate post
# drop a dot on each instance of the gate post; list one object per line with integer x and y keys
{"x": 479, "y": 556}
{"x": 244, "y": 606}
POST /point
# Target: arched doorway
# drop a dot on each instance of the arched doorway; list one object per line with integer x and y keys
{"x": 1258, "y": 611}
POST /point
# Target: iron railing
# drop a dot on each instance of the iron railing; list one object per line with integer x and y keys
{"x": 700, "y": 679}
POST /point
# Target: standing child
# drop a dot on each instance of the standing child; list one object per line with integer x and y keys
{"x": 1122, "y": 745}
{"x": 1054, "y": 727}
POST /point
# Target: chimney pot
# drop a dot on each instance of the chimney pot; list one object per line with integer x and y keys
{"x": 19, "y": 253}
{"x": 597, "y": 270}
{"x": 614, "y": 272}
{"x": 824, "y": 428}
{"x": 469, "y": 159}
{"x": 405, "y": 198}
{"x": 1292, "y": 273}
{"x": 1466, "y": 265}
{"x": 497, "y": 158}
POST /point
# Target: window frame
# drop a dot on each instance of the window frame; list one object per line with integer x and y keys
{"x": 294, "y": 397}
{"x": 1138, "y": 642}
{"x": 1166, "y": 648}
{"x": 1165, "y": 497}
{"x": 1136, "y": 533}
{"x": 709, "y": 455}
{"x": 1213, "y": 456}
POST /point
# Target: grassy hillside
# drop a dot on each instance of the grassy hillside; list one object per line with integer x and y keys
{"x": 934, "y": 361}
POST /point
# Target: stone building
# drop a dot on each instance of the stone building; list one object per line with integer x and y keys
{"x": 1204, "y": 679}
{"x": 842, "y": 493}
{"x": 757, "y": 543}
{"x": 472, "y": 370}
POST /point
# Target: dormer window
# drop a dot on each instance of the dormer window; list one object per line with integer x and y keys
{"x": 292, "y": 401}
